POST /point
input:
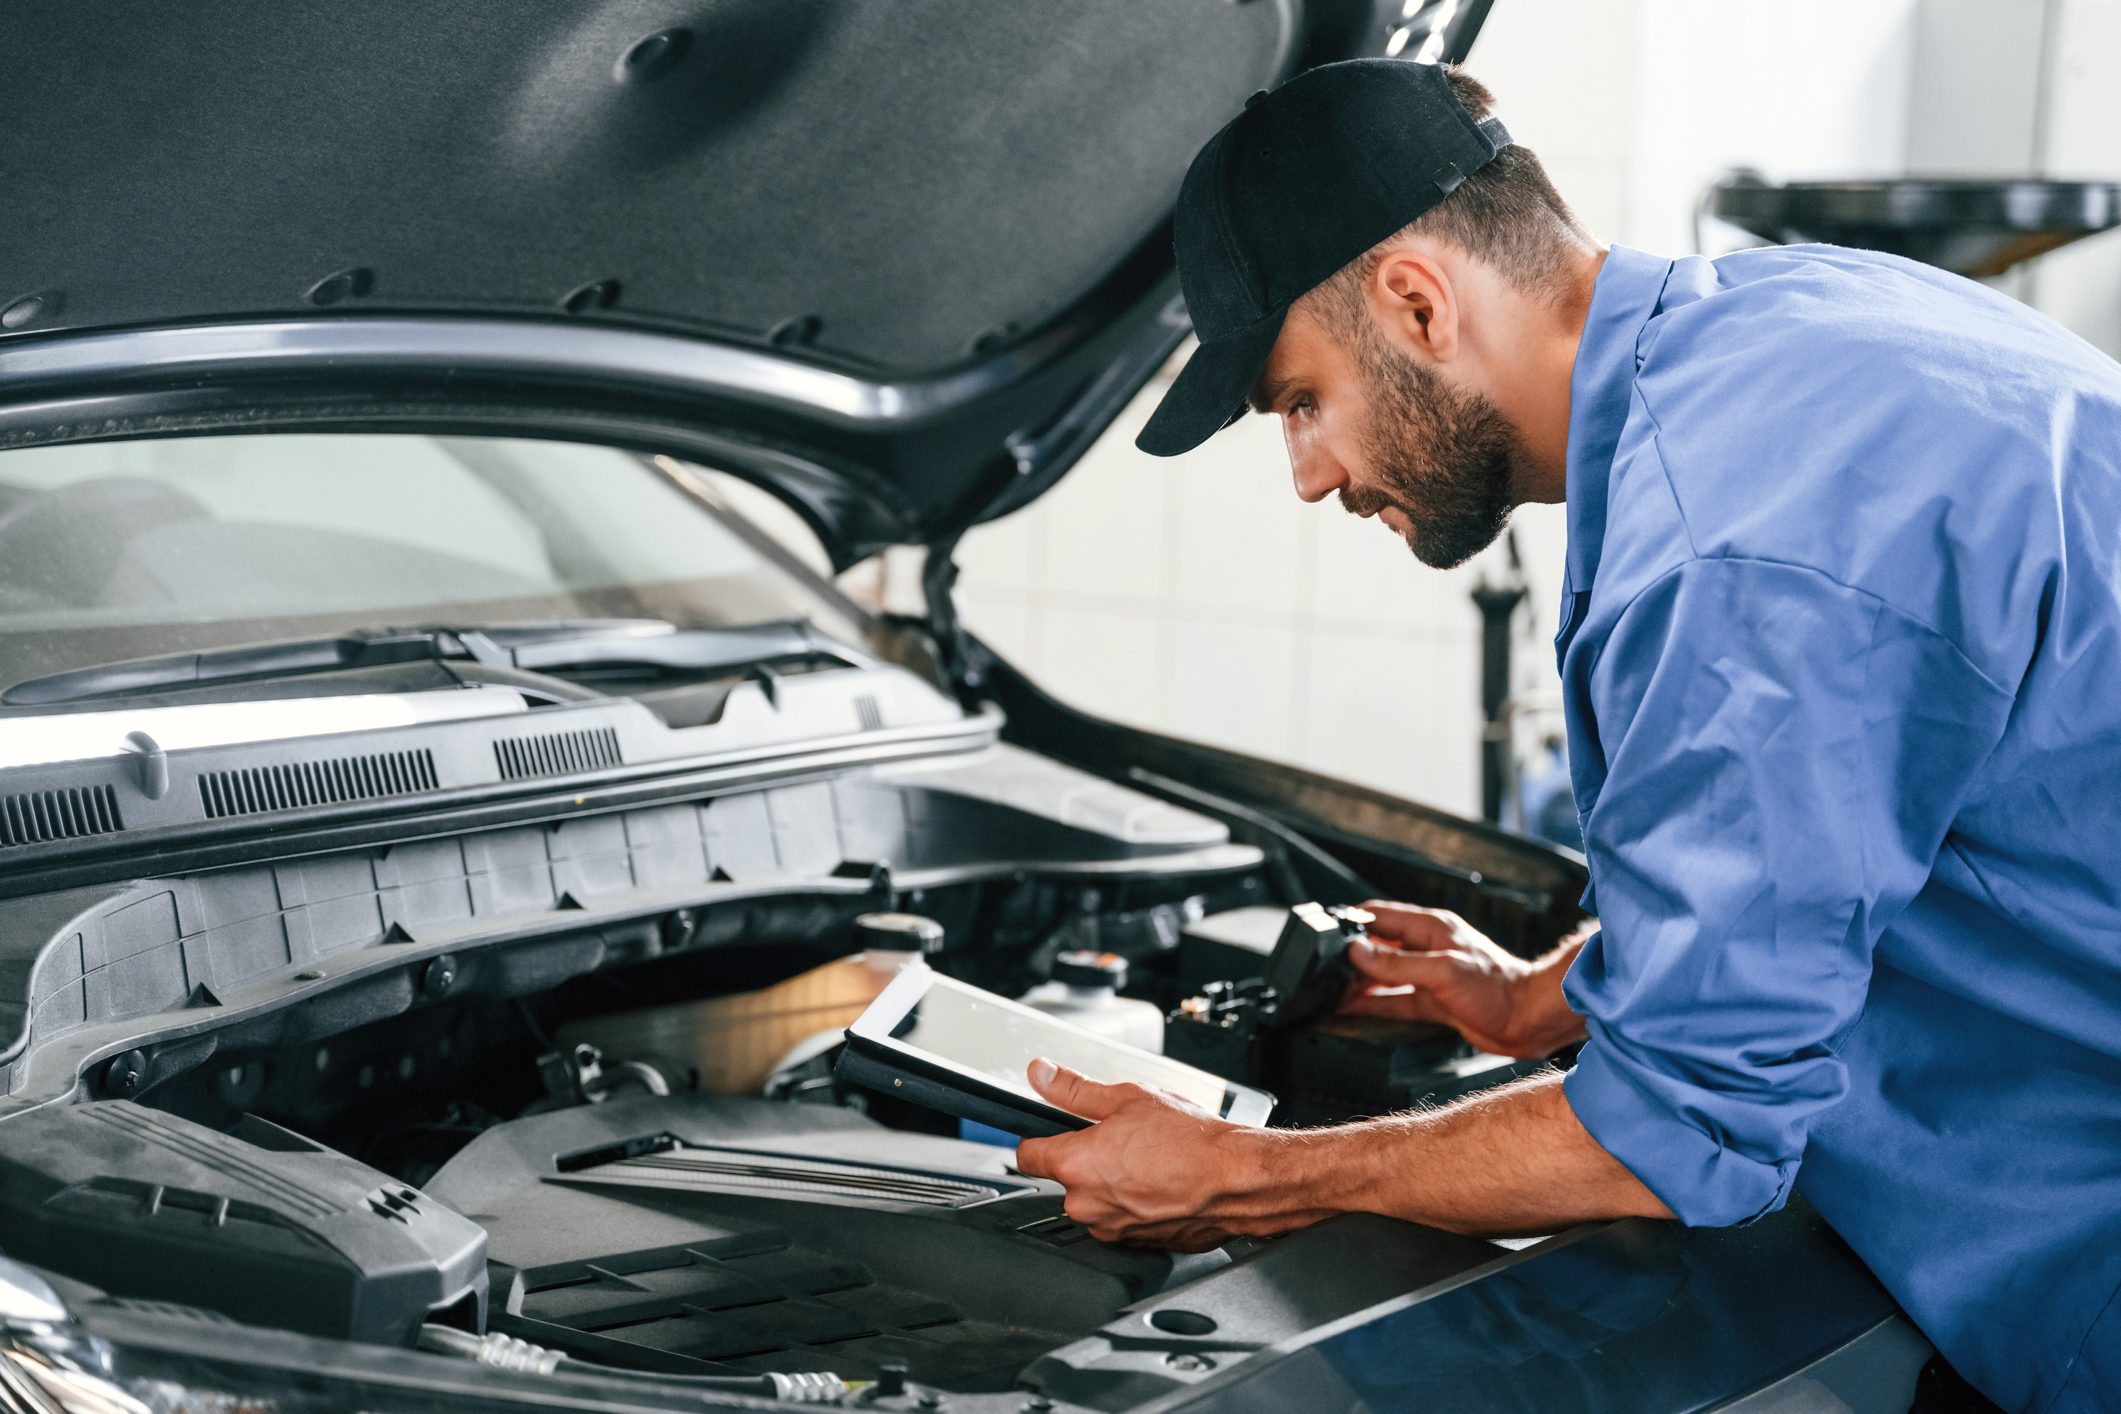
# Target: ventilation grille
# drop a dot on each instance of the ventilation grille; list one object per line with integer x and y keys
{"x": 788, "y": 1176}
{"x": 33, "y": 817}
{"x": 558, "y": 753}
{"x": 262, "y": 788}
{"x": 866, "y": 710}
{"x": 755, "y": 1294}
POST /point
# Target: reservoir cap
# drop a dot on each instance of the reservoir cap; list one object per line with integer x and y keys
{"x": 1091, "y": 969}
{"x": 898, "y": 932}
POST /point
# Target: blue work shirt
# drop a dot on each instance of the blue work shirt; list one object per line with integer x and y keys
{"x": 1841, "y": 650}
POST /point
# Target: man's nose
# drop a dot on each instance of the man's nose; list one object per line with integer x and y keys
{"x": 1318, "y": 473}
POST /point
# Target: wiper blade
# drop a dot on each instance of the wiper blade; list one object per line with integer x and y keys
{"x": 530, "y": 647}
{"x": 699, "y": 650}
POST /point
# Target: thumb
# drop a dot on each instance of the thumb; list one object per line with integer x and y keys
{"x": 1398, "y": 968}
{"x": 1413, "y": 927}
{"x": 1039, "y": 1158}
{"x": 1073, "y": 1092}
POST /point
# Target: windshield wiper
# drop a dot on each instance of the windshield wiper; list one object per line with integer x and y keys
{"x": 536, "y": 647}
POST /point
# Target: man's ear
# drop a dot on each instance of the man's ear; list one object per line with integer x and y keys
{"x": 1416, "y": 303}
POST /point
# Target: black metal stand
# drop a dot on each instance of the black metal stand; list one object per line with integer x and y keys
{"x": 1974, "y": 228}
{"x": 1498, "y": 609}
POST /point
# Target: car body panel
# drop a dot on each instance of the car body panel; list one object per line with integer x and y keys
{"x": 1623, "y": 1317}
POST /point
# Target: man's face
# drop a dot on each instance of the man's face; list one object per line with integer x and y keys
{"x": 1361, "y": 417}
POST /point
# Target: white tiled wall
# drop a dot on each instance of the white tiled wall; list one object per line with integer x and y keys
{"x": 1199, "y": 597}
{"x": 1798, "y": 89}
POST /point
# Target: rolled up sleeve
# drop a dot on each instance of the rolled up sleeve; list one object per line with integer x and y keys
{"x": 1783, "y": 758}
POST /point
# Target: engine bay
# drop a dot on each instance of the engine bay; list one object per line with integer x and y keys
{"x": 486, "y": 1085}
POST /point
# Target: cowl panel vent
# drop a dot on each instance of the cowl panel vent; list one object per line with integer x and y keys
{"x": 558, "y": 753}
{"x": 259, "y": 789}
{"x": 32, "y": 817}
{"x": 739, "y": 1171}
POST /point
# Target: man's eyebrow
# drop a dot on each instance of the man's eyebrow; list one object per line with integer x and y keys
{"x": 1266, "y": 392}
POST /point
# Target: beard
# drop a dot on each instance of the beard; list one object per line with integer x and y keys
{"x": 1440, "y": 457}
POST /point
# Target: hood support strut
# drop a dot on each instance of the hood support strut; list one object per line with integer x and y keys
{"x": 1037, "y": 460}
{"x": 964, "y": 660}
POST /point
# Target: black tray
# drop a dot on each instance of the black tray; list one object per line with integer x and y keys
{"x": 1975, "y": 228}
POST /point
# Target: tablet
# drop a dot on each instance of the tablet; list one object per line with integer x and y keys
{"x": 963, "y": 1051}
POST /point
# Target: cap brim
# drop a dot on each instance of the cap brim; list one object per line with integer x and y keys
{"x": 1210, "y": 391}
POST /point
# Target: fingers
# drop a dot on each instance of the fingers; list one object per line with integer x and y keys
{"x": 1166, "y": 1237}
{"x": 1074, "y": 1092}
{"x": 1037, "y": 1158}
{"x": 1412, "y": 926}
{"x": 1416, "y": 1005}
{"x": 1380, "y": 962}
{"x": 1109, "y": 1220}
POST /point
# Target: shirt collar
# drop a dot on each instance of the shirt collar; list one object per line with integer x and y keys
{"x": 1622, "y": 301}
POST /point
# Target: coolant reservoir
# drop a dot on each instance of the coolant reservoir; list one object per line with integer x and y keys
{"x": 1085, "y": 992}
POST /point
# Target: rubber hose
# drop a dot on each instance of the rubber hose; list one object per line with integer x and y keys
{"x": 505, "y": 1352}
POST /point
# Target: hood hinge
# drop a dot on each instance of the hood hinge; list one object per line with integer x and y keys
{"x": 964, "y": 660}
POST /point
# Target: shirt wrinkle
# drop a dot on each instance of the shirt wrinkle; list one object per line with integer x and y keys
{"x": 1664, "y": 465}
{"x": 1664, "y": 469}
{"x": 1930, "y": 630}
{"x": 2083, "y": 1343}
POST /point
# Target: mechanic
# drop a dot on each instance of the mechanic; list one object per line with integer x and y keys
{"x": 1841, "y": 649}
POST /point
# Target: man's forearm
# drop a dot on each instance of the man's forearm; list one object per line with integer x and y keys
{"x": 1514, "y": 1160}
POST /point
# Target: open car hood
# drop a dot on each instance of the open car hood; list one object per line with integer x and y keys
{"x": 898, "y": 262}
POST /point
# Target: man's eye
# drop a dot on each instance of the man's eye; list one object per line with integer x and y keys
{"x": 1302, "y": 407}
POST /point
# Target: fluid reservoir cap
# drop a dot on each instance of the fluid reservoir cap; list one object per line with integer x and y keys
{"x": 898, "y": 932}
{"x": 1091, "y": 969}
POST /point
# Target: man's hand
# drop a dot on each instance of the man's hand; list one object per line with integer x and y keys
{"x": 1426, "y": 964}
{"x": 1153, "y": 1171}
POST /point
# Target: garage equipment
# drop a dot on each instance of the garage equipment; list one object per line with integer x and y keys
{"x": 1970, "y": 227}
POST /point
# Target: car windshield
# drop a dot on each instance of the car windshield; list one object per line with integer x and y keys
{"x": 120, "y": 550}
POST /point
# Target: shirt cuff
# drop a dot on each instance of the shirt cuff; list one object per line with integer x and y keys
{"x": 1654, "y": 1126}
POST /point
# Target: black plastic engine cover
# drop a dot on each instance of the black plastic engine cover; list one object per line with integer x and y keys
{"x": 261, "y": 1225}
{"x": 709, "y": 1235}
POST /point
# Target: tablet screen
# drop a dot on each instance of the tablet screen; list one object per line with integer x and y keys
{"x": 971, "y": 1030}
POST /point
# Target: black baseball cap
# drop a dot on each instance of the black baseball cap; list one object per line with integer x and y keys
{"x": 1300, "y": 183}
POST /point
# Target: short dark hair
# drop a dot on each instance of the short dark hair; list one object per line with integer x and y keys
{"x": 1506, "y": 215}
